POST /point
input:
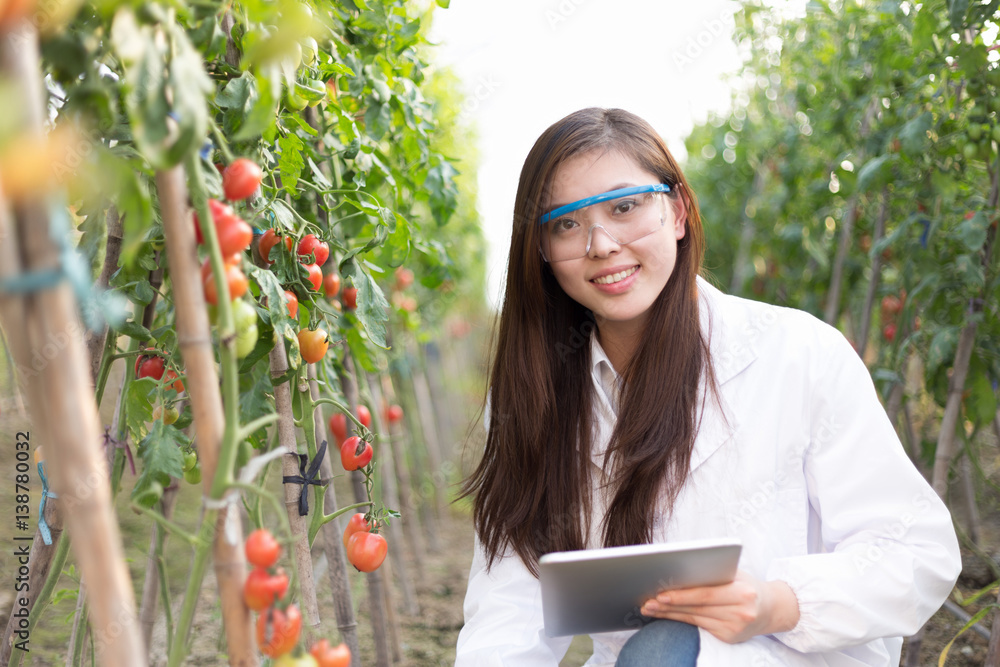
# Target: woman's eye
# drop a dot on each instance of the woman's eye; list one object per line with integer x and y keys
{"x": 625, "y": 206}
{"x": 564, "y": 225}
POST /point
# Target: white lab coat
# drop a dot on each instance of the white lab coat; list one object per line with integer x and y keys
{"x": 806, "y": 470}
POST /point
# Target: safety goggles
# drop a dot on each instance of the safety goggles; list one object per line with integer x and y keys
{"x": 625, "y": 215}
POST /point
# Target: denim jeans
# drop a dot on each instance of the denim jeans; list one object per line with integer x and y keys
{"x": 661, "y": 643}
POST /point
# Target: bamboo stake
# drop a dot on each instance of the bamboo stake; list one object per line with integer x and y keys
{"x": 64, "y": 412}
{"x": 440, "y": 398}
{"x": 154, "y": 555}
{"x": 333, "y": 545}
{"x": 391, "y": 495}
{"x": 376, "y": 597}
{"x": 290, "y": 467}
{"x": 861, "y": 342}
{"x": 112, "y": 251}
{"x": 202, "y": 386}
{"x": 407, "y": 507}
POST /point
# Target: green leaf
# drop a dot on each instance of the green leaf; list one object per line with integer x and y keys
{"x": 372, "y": 306}
{"x": 913, "y": 134}
{"x": 290, "y": 162}
{"x": 874, "y": 173}
{"x": 162, "y": 459}
{"x": 138, "y": 408}
{"x": 981, "y": 401}
{"x": 134, "y": 330}
{"x": 942, "y": 348}
{"x": 972, "y": 232}
{"x": 277, "y": 311}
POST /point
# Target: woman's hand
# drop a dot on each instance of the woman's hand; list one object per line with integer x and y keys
{"x": 732, "y": 612}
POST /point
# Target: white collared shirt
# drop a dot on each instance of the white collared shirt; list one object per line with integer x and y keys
{"x": 801, "y": 464}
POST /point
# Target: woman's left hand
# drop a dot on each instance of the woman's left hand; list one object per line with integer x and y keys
{"x": 732, "y": 612}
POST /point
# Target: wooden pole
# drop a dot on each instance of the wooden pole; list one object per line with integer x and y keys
{"x": 290, "y": 467}
{"x": 333, "y": 545}
{"x": 46, "y": 337}
{"x": 202, "y": 386}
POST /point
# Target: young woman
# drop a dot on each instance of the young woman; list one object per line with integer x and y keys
{"x": 631, "y": 402}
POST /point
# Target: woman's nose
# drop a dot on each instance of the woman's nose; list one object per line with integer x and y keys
{"x": 600, "y": 242}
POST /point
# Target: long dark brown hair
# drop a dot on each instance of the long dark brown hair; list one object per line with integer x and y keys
{"x": 532, "y": 487}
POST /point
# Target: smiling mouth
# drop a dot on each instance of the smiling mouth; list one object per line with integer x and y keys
{"x": 615, "y": 277}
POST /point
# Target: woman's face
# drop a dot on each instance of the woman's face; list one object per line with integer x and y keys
{"x": 618, "y": 283}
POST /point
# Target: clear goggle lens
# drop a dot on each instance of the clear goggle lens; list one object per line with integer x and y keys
{"x": 625, "y": 219}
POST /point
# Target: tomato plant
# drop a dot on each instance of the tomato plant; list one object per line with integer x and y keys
{"x": 241, "y": 179}
{"x": 366, "y": 551}
{"x": 355, "y": 453}
{"x": 278, "y": 630}
{"x": 262, "y": 548}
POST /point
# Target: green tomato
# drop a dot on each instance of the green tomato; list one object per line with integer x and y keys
{"x": 193, "y": 476}
{"x": 970, "y": 150}
{"x": 294, "y": 101}
{"x": 190, "y": 460}
{"x": 996, "y": 133}
{"x": 244, "y": 315}
{"x": 309, "y": 50}
{"x": 246, "y": 340}
{"x": 975, "y": 131}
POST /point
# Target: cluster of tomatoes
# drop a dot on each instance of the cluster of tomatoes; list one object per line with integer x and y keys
{"x": 366, "y": 550}
{"x": 890, "y": 308}
{"x": 280, "y": 622}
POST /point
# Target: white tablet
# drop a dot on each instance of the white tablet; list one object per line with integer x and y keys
{"x": 602, "y": 590}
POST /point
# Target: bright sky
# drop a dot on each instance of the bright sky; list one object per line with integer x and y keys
{"x": 527, "y": 63}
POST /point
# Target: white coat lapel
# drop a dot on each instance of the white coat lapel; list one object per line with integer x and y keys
{"x": 723, "y": 319}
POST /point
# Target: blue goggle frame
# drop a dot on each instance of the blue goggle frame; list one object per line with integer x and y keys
{"x": 597, "y": 199}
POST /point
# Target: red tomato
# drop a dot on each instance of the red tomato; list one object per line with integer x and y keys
{"x": 315, "y": 276}
{"x": 278, "y": 630}
{"x": 262, "y": 588}
{"x": 366, "y": 551}
{"x": 235, "y": 235}
{"x": 404, "y": 278}
{"x": 350, "y": 298}
{"x": 355, "y": 524}
{"x": 293, "y": 304}
{"x": 310, "y": 245}
{"x": 218, "y": 211}
{"x": 364, "y": 416}
{"x": 889, "y": 332}
{"x": 171, "y": 377}
{"x": 268, "y": 240}
{"x": 338, "y": 426}
{"x": 241, "y": 179}
{"x": 330, "y": 656}
{"x": 206, "y": 266}
{"x": 891, "y": 305}
{"x": 331, "y": 285}
{"x": 394, "y": 414}
{"x": 313, "y": 344}
{"x": 149, "y": 366}
{"x": 262, "y": 549}
{"x": 236, "y": 283}
{"x": 349, "y": 456}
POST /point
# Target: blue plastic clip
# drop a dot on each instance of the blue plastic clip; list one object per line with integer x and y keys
{"x": 43, "y": 527}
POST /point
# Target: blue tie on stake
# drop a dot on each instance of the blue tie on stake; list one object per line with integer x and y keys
{"x": 43, "y": 527}
{"x": 96, "y": 307}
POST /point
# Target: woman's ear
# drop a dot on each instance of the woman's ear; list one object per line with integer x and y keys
{"x": 679, "y": 206}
